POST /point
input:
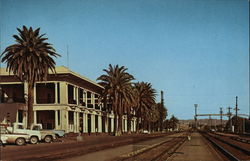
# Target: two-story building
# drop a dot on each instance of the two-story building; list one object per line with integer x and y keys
{"x": 66, "y": 101}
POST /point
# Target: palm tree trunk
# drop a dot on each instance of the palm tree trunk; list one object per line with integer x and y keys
{"x": 129, "y": 123}
{"x": 120, "y": 114}
{"x": 30, "y": 104}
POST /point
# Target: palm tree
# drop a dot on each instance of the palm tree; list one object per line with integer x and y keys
{"x": 116, "y": 82}
{"x": 30, "y": 60}
{"x": 145, "y": 99}
{"x": 163, "y": 114}
{"x": 173, "y": 122}
{"x": 152, "y": 116}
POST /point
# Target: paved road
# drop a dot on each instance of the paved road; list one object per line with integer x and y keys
{"x": 109, "y": 154}
{"x": 197, "y": 149}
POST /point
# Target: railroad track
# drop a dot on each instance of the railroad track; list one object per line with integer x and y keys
{"x": 244, "y": 138}
{"x": 231, "y": 151}
{"x": 157, "y": 152}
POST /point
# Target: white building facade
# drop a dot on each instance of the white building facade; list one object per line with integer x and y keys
{"x": 66, "y": 101}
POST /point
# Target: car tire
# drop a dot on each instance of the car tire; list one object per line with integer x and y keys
{"x": 20, "y": 141}
{"x": 33, "y": 139}
{"x": 48, "y": 139}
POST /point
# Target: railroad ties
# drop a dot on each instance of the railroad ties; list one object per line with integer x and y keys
{"x": 232, "y": 148}
{"x": 156, "y": 152}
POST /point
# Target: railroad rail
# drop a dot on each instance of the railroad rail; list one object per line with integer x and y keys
{"x": 157, "y": 152}
{"x": 231, "y": 151}
{"x": 244, "y": 138}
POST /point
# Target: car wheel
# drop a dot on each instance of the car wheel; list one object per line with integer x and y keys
{"x": 20, "y": 141}
{"x": 33, "y": 140}
{"x": 48, "y": 139}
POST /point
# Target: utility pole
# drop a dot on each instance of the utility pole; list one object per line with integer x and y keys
{"x": 221, "y": 112}
{"x": 229, "y": 118}
{"x": 195, "y": 116}
{"x": 236, "y": 113}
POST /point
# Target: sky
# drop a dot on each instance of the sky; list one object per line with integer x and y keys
{"x": 196, "y": 51}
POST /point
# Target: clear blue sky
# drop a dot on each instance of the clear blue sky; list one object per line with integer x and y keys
{"x": 196, "y": 51}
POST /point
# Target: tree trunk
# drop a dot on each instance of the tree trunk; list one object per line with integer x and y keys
{"x": 120, "y": 114}
{"x": 129, "y": 123}
{"x": 30, "y": 104}
{"x": 119, "y": 131}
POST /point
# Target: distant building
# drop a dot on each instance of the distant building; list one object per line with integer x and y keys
{"x": 66, "y": 101}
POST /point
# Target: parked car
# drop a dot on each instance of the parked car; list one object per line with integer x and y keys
{"x": 47, "y": 135}
{"x": 145, "y": 132}
{"x": 3, "y": 140}
{"x": 12, "y": 138}
{"x": 34, "y": 135}
{"x": 58, "y": 133}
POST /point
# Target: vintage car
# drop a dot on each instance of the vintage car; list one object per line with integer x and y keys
{"x": 34, "y": 136}
{"x": 12, "y": 138}
{"x": 3, "y": 140}
{"x": 58, "y": 133}
{"x": 47, "y": 135}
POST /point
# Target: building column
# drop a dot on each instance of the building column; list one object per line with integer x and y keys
{"x": 65, "y": 120}
{"x": 85, "y": 122}
{"x": 56, "y": 119}
{"x": 25, "y": 120}
{"x": 133, "y": 125}
{"x": 92, "y": 123}
{"x": 34, "y": 93}
{"x": 99, "y": 123}
{"x": 106, "y": 123}
{"x": 125, "y": 125}
{"x": 112, "y": 124}
{"x": 77, "y": 121}
{"x": 35, "y": 119}
{"x": 74, "y": 123}
{"x": 16, "y": 116}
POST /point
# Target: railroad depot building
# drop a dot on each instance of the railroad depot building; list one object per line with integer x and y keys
{"x": 66, "y": 101}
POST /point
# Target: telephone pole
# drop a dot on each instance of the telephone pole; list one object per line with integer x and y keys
{"x": 236, "y": 113}
{"x": 221, "y": 112}
{"x": 229, "y": 118}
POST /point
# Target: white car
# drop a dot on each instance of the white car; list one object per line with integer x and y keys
{"x": 3, "y": 140}
{"x": 34, "y": 135}
{"x": 12, "y": 138}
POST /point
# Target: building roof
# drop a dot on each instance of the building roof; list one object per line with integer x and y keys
{"x": 59, "y": 70}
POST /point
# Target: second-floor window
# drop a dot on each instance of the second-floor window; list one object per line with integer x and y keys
{"x": 71, "y": 94}
{"x": 45, "y": 93}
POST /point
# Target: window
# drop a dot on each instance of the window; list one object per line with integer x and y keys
{"x": 58, "y": 92}
{"x": 71, "y": 95}
{"x": 58, "y": 116}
